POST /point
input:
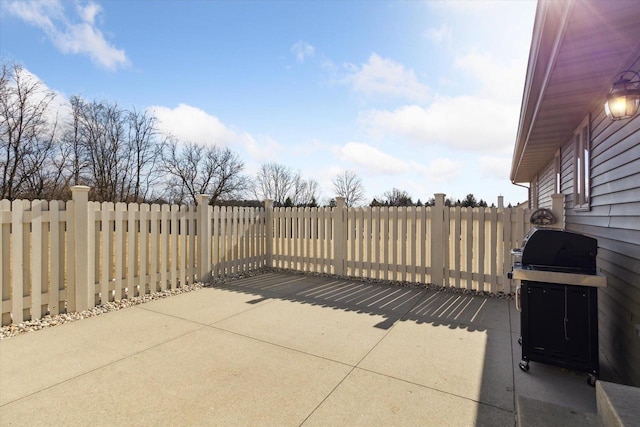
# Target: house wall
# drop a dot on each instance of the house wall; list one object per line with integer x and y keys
{"x": 613, "y": 218}
{"x": 546, "y": 185}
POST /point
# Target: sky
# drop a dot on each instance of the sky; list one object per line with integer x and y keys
{"x": 420, "y": 96}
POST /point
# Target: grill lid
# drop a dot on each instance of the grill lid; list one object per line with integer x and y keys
{"x": 554, "y": 249}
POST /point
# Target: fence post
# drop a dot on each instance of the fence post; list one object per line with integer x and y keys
{"x": 437, "y": 240}
{"x": 339, "y": 220}
{"x": 268, "y": 231}
{"x": 204, "y": 238}
{"x": 557, "y": 207}
{"x": 80, "y": 197}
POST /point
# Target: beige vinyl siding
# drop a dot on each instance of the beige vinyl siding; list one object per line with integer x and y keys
{"x": 613, "y": 219}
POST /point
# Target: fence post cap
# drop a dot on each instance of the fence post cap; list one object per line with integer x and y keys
{"x": 80, "y": 188}
{"x": 268, "y": 204}
{"x": 202, "y": 198}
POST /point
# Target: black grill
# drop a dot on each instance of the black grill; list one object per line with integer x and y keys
{"x": 558, "y": 299}
{"x": 552, "y": 249}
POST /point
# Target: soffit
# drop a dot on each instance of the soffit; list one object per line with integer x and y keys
{"x": 570, "y": 76}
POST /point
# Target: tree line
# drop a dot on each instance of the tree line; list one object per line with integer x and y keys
{"x": 123, "y": 157}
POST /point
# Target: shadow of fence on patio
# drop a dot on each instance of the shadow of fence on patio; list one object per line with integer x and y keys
{"x": 437, "y": 307}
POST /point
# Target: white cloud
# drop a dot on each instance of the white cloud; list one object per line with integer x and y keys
{"x": 69, "y": 35}
{"x": 495, "y": 166}
{"x": 463, "y": 122}
{"x": 371, "y": 159}
{"x": 444, "y": 170}
{"x": 385, "y": 77}
{"x": 496, "y": 78}
{"x": 89, "y": 12}
{"x": 192, "y": 124}
{"x": 302, "y": 50}
{"x": 439, "y": 35}
{"x": 262, "y": 148}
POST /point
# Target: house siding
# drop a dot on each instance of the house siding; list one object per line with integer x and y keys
{"x": 614, "y": 219}
{"x": 546, "y": 185}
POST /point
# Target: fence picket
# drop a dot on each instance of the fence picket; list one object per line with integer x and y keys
{"x": 469, "y": 245}
{"x": 422, "y": 236}
{"x": 319, "y": 247}
{"x": 481, "y": 248}
{"x": 308, "y": 238}
{"x": 384, "y": 241}
{"x": 164, "y": 246}
{"x": 119, "y": 253}
{"x": 154, "y": 247}
{"x": 132, "y": 249}
{"x": 182, "y": 246}
{"x": 106, "y": 252}
{"x": 456, "y": 246}
{"x": 507, "y": 239}
{"x": 413, "y": 239}
{"x": 17, "y": 252}
{"x": 222, "y": 238}
{"x": 57, "y": 258}
{"x": 375, "y": 242}
{"x": 228, "y": 241}
{"x": 173, "y": 244}
{"x": 493, "y": 247}
{"x": 246, "y": 254}
{"x": 36, "y": 259}
{"x": 143, "y": 265}
{"x": 191, "y": 236}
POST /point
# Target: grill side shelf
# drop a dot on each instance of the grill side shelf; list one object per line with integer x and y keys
{"x": 597, "y": 280}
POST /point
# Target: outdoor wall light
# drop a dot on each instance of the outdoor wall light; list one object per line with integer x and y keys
{"x": 624, "y": 99}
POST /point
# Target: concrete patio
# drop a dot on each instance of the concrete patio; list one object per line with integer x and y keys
{"x": 285, "y": 350}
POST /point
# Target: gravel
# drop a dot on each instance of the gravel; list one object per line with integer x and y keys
{"x": 60, "y": 319}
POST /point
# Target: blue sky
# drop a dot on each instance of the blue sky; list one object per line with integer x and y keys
{"x": 421, "y": 96}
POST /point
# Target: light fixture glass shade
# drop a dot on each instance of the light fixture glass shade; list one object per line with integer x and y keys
{"x": 624, "y": 99}
{"x": 619, "y": 107}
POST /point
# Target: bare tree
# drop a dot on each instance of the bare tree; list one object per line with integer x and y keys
{"x": 274, "y": 181}
{"x": 198, "y": 169}
{"x": 73, "y": 154}
{"x": 103, "y": 136}
{"x": 26, "y": 136}
{"x": 113, "y": 150}
{"x": 145, "y": 147}
{"x": 304, "y": 192}
{"x": 45, "y": 179}
{"x": 395, "y": 197}
{"x": 285, "y": 186}
{"x": 349, "y": 186}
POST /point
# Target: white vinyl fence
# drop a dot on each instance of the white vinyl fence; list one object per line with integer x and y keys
{"x": 63, "y": 257}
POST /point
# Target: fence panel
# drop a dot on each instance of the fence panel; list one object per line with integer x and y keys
{"x": 59, "y": 257}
